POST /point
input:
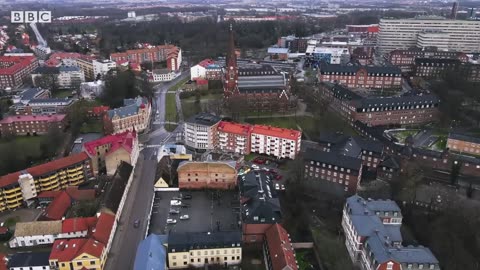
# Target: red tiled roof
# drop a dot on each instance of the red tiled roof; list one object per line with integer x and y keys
{"x": 49, "y": 194}
{"x": 115, "y": 141}
{"x": 80, "y": 194}
{"x": 281, "y": 251}
{"x": 235, "y": 128}
{"x": 74, "y": 225}
{"x": 28, "y": 118}
{"x": 58, "y": 207}
{"x": 140, "y": 51}
{"x": 17, "y": 63}
{"x": 201, "y": 81}
{"x": 98, "y": 110}
{"x": 3, "y": 262}
{"x": 104, "y": 227}
{"x": 290, "y": 134}
{"x": 206, "y": 62}
{"x": 66, "y": 250}
{"x": 3, "y": 230}
{"x": 92, "y": 247}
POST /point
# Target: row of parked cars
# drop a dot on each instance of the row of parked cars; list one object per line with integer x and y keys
{"x": 177, "y": 201}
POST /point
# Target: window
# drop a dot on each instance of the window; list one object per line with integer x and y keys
{"x": 174, "y": 257}
{"x": 390, "y": 266}
{"x": 79, "y": 264}
{"x": 174, "y": 264}
{"x": 92, "y": 262}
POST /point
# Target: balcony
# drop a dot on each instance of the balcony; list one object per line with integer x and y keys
{"x": 14, "y": 205}
{"x": 13, "y": 190}
{"x": 12, "y": 196}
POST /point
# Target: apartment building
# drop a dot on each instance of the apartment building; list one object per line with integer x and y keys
{"x": 463, "y": 143}
{"x": 377, "y": 77}
{"x": 101, "y": 67}
{"x": 170, "y": 53}
{"x": 278, "y": 251}
{"x": 374, "y": 240}
{"x": 85, "y": 63}
{"x": 381, "y": 111}
{"x": 29, "y": 94}
{"x": 18, "y": 125}
{"x": 328, "y": 55}
{"x": 434, "y": 68}
{"x": 337, "y": 172}
{"x": 14, "y": 70}
{"x": 134, "y": 115}
{"x": 429, "y": 31}
{"x": 108, "y": 152}
{"x": 21, "y": 186}
{"x": 199, "y": 70}
{"x": 70, "y": 77}
{"x": 277, "y": 142}
{"x": 208, "y": 174}
{"x": 161, "y": 75}
{"x": 213, "y": 72}
{"x": 190, "y": 249}
{"x": 28, "y": 260}
{"x": 260, "y": 205}
{"x": 405, "y": 59}
{"x": 200, "y": 130}
{"x": 233, "y": 137}
{"x": 43, "y": 106}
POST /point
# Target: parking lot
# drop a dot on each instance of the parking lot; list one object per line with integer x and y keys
{"x": 208, "y": 211}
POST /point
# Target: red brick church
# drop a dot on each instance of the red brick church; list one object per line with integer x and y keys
{"x": 255, "y": 87}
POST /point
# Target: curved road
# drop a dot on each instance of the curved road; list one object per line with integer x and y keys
{"x": 140, "y": 195}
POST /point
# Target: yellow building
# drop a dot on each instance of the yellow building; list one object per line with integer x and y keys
{"x": 15, "y": 188}
{"x": 198, "y": 249}
{"x": 77, "y": 254}
{"x": 85, "y": 63}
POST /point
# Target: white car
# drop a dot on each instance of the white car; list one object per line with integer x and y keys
{"x": 171, "y": 221}
{"x": 283, "y": 187}
{"x": 255, "y": 167}
{"x": 175, "y": 202}
{"x": 277, "y": 186}
{"x": 184, "y": 217}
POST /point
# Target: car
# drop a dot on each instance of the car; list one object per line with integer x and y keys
{"x": 184, "y": 217}
{"x": 136, "y": 223}
{"x": 175, "y": 202}
{"x": 255, "y": 167}
{"x": 187, "y": 197}
{"x": 277, "y": 186}
{"x": 259, "y": 160}
{"x": 177, "y": 198}
{"x": 171, "y": 221}
{"x": 174, "y": 211}
{"x": 282, "y": 187}
{"x": 185, "y": 205}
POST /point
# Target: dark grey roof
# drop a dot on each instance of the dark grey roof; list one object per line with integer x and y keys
{"x": 350, "y": 145}
{"x": 390, "y": 162}
{"x": 131, "y": 107}
{"x": 68, "y": 68}
{"x": 373, "y": 102}
{"x": 259, "y": 198}
{"x": 352, "y": 69}
{"x": 204, "y": 240}
{"x": 463, "y": 137}
{"x": 46, "y": 70}
{"x": 205, "y": 119}
{"x": 267, "y": 81}
{"x": 29, "y": 259}
{"x": 30, "y": 93}
{"x": 333, "y": 159}
{"x": 257, "y": 70}
{"x": 431, "y": 61}
{"x": 262, "y": 90}
{"x": 359, "y": 206}
{"x": 51, "y": 100}
{"x": 341, "y": 92}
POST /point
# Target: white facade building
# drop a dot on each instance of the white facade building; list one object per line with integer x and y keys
{"x": 200, "y": 131}
{"x": 27, "y": 185}
{"x": 277, "y": 142}
{"x": 162, "y": 75}
{"x": 28, "y": 234}
{"x": 452, "y": 35}
{"x": 70, "y": 76}
{"x": 199, "y": 70}
{"x": 102, "y": 67}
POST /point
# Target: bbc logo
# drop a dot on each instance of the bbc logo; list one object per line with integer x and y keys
{"x": 31, "y": 17}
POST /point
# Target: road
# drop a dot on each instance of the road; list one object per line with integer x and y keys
{"x": 140, "y": 195}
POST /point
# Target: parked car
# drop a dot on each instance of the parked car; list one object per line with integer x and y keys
{"x": 136, "y": 223}
{"x": 255, "y": 167}
{"x": 177, "y": 198}
{"x": 282, "y": 187}
{"x": 185, "y": 205}
{"x": 174, "y": 211}
{"x": 187, "y": 197}
{"x": 171, "y": 221}
{"x": 184, "y": 217}
{"x": 175, "y": 202}
{"x": 259, "y": 160}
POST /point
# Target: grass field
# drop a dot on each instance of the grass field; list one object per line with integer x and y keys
{"x": 170, "y": 108}
{"x": 94, "y": 126}
{"x": 26, "y": 145}
{"x": 62, "y": 93}
{"x": 178, "y": 85}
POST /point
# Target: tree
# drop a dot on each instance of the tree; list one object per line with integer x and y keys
{"x": 118, "y": 86}
{"x": 50, "y": 145}
{"x": 47, "y": 81}
{"x": 77, "y": 114}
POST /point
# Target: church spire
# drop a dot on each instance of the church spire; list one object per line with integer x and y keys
{"x": 230, "y": 79}
{"x": 231, "y": 59}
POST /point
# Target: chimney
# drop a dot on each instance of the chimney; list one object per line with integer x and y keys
{"x": 453, "y": 15}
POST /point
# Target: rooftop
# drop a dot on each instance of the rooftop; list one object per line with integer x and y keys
{"x": 28, "y": 259}
{"x": 333, "y": 159}
{"x": 464, "y": 137}
{"x": 131, "y": 107}
{"x": 290, "y": 134}
{"x": 353, "y": 69}
{"x": 206, "y": 62}
{"x": 235, "y": 128}
{"x": 208, "y": 166}
{"x": 78, "y": 224}
{"x": 38, "y": 228}
{"x": 58, "y": 207}
{"x": 28, "y": 118}
{"x": 205, "y": 119}
{"x": 46, "y": 70}
{"x": 17, "y": 63}
{"x": 124, "y": 140}
{"x": 151, "y": 253}
{"x": 103, "y": 227}
{"x": 203, "y": 240}
{"x": 66, "y": 250}
{"x": 281, "y": 250}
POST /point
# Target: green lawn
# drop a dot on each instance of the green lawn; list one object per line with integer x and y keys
{"x": 26, "y": 145}
{"x": 94, "y": 126}
{"x": 62, "y": 93}
{"x": 331, "y": 249}
{"x": 205, "y": 97}
{"x": 170, "y": 108}
{"x": 178, "y": 85}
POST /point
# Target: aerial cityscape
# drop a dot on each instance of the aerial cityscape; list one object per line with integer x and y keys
{"x": 241, "y": 135}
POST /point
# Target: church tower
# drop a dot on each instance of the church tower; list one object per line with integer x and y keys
{"x": 230, "y": 76}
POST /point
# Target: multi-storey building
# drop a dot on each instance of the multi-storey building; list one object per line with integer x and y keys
{"x": 361, "y": 76}
{"x": 28, "y": 260}
{"x": 193, "y": 249}
{"x": 200, "y": 130}
{"x": 374, "y": 240}
{"x": 43, "y": 106}
{"x": 405, "y": 59}
{"x": 170, "y": 53}
{"x": 328, "y": 55}
{"x": 293, "y": 43}
{"x": 208, "y": 174}
{"x": 29, "y": 94}
{"x": 70, "y": 77}
{"x": 278, "y": 250}
{"x": 101, "y": 67}
{"x": 134, "y": 115}
{"x": 369, "y": 151}
{"x": 199, "y": 70}
{"x": 335, "y": 171}
{"x": 57, "y": 59}
{"x": 422, "y": 32}
{"x": 31, "y": 124}
{"x": 161, "y": 75}
{"x": 24, "y": 185}
{"x": 463, "y": 143}
{"x": 108, "y": 152}
{"x": 434, "y": 68}
{"x": 368, "y": 30}
{"x": 14, "y": 70}
{"x": 213, "y": 72}
{"x": 233, "y": 137}
{"x": 278, "y": 142}
{"x": 85, "y": 63}
{"x": 381, "y": 111}
{"x": 260, "y": 206}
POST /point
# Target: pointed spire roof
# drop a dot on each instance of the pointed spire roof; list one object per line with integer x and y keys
{"x": 231, "y": 59}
